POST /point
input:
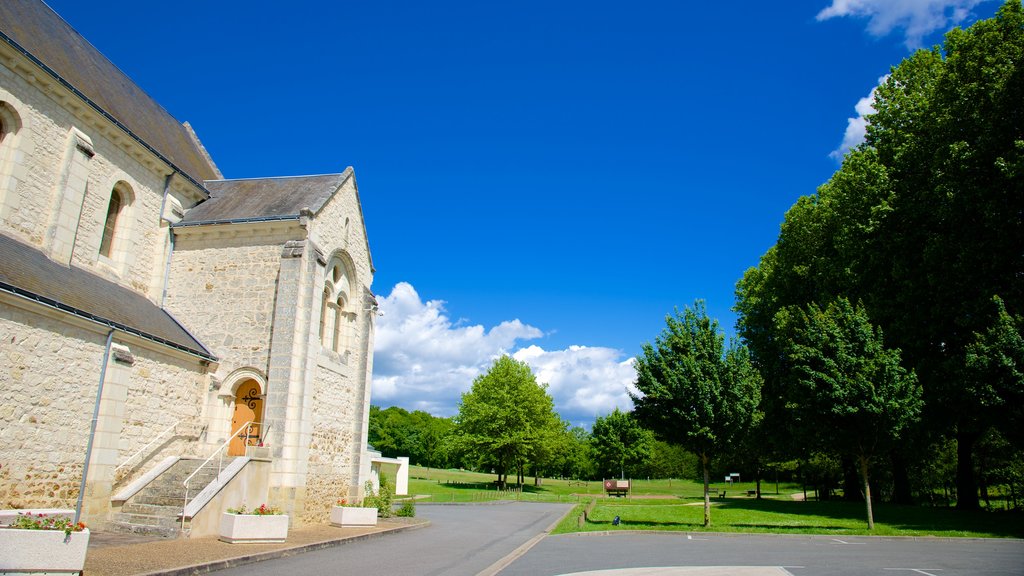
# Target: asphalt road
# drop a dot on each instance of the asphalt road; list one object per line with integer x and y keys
{"x": 462, "y": 540}
{"x": 796, "y": 555}
{"x": 473, "y": 539}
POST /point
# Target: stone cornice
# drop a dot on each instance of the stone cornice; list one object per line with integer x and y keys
{"x": 56, "y": 88}
{"x": 292, "y": 228}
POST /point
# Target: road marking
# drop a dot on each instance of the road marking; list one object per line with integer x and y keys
{"x": 848, "y": 543}
{"x": 925, "y": 571}
{"x": 511, "y": 557}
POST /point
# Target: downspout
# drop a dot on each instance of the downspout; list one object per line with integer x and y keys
{"x": 92, "y": 429}
{"x": 167, "y": 265}
{"x": 170, "y": 236}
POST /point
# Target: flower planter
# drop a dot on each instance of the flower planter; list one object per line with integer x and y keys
{"x": 49, "y": 551}
{"x": 252, "y": 528}
{"x": 351, "y": 516}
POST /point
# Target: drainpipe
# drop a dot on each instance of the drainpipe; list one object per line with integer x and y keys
{"x": 92, "y": 429}
{"x": 170, "y": 236}
{"x": 167, "y": 265}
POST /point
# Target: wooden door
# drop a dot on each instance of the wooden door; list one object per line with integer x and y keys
{"x": 248, "y": 408}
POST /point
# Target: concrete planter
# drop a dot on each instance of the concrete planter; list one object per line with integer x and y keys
{"x": 47, "y": 551}
{"x": 349, "y": 516}
{"x": 253, "y": 529}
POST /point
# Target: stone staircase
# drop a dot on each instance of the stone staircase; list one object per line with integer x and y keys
{"x": 156, "y": 509}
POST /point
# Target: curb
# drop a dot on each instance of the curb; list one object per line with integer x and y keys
{"x": 208, "y": 567}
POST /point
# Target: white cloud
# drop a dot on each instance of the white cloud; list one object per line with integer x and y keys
{"x": 917, "y": 18}
{"x": 856, "y": 127}
{"x": 585, "y": 381}
{"x": 425, "y": 361}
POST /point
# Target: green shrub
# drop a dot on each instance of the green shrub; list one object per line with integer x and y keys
{"x": 408, "y": 509}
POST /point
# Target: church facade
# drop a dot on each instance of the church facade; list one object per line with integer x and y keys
{"x": 152, "y": 309}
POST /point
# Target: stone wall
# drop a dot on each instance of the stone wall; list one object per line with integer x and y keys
{"x": 335, "y": 444}
{"x": 223, "y": 290}
{"x": 34, "y": 181}
{"x": 49, "y": 375}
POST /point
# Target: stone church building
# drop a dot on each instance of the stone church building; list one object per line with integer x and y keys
{"x": 151, "y": 308}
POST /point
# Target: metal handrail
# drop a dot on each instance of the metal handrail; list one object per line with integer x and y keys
{"x": 220, "y": 465}
{"x": 144, "y": 448}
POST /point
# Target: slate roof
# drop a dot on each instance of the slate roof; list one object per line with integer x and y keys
{"x": 263, "y": 198}
{"x": 31, "y": 26}
{"x": 28, "y": 272}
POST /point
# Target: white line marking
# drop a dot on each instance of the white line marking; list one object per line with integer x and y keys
{"x": 925, "y": 571}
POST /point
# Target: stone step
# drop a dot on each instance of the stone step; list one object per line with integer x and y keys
{"x": 160, "y": 499}
{"x": 129, "y": 528}
{"x": 161, "y": 511}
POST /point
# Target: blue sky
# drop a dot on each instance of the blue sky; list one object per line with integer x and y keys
{"x": 545, "y": 179}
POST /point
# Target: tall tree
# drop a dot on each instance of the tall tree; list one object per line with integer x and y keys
{"x": 504, "y": 417}
{"x": 848, "y": 391}
{"x": 922, "y": 223}
{"x": 695, "y": 392}
{"x": 619, "y": 441}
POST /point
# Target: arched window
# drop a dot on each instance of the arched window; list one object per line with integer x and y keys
{"x": 324, "y": 301}
{"x": 336, "y": 316}
{"x": 110, "y": 224}
{"x": 120, "y": 199}
{"x": 10, "y": 125}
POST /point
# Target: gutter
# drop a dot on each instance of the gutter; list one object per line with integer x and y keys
{"x": 51, "y": 303}
{"x": 101, "y": 111}
{"x": 237, "y": 221}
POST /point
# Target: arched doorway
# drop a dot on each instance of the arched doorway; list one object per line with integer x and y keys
{"x": 248, "y": 408}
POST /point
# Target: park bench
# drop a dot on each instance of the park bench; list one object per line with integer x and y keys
{"x": 616, "y": 487}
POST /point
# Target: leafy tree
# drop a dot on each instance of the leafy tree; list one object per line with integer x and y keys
{"x": 848, "y": 391}
{"x": 618, "y": 442}
{"x": 695, "y": 392}
{"x": 995, "y": 372}
{"x": 922, "y": 223}
{"x": 420, "y": 436}
{"x": 670, "y": 461}
{"x": 505, "y": 417}
{"x": 576, "y": 456}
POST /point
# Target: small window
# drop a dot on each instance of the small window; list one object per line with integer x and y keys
{"x": 110, "y": 224}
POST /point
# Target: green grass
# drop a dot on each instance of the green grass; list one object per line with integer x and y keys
{"x": 791, "y": 517}
{"x": 678, "y": 505}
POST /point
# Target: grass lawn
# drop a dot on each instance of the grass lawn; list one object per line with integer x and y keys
{"x": 678, "y": 505}
{"x": 743, "y": 514}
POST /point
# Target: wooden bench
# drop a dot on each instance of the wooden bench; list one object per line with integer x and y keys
{"x": 616, "y": 487}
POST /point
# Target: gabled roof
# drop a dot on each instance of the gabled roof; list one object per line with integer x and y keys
{"x": 34, "y": 29}
{"x": 28, "y": 273}
{"x": 264, "y": 198}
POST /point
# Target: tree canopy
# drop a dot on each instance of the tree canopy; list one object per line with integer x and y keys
{"x": 506, "y": 419}
{"x": 848, "y": 392}
{"x": 694, "y": 391}
{"x": 922, "y": 223}
{"x": 619, "y": 442}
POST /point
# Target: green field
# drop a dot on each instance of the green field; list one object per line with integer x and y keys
{"x": 678, "y": 505}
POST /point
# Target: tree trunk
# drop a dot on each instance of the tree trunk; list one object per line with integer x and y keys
{"x": 966, "y": 484}
{"x": 757, "y": 477}
{"x": 867, "y": 490}
{"x": 707, "y": 497}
